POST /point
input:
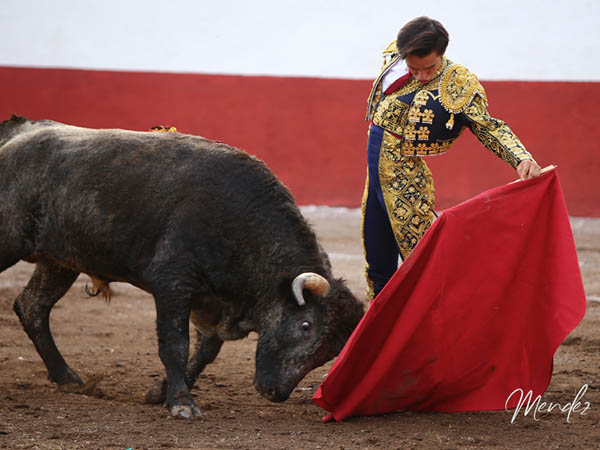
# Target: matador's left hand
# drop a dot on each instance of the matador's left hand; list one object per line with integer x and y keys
{"x": 528, "y": 169}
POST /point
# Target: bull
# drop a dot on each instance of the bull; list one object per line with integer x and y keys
{"x": 205, "y": 228}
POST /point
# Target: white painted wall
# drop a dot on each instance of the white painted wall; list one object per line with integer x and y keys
{"x": 501, "y": 40}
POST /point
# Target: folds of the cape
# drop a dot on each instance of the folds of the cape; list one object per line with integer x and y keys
{"x": 476, "y": 312}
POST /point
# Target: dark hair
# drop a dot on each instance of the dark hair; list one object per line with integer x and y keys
{"x": 421, "y": 36}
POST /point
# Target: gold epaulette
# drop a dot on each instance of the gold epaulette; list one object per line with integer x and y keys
{"x": 458, "y": 87}
{"x": 389, "y": 54}
{"x": 391, "y": 48}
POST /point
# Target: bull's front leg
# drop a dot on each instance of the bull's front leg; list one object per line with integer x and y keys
{"x": 205, "y": 352}
{"x": 172, "y": 321}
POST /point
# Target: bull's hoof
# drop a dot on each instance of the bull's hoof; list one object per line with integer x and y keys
{"x": 73, "y": 388}
{"x": 64, "y": 377}
{"x": 186, "y": 412}
{"x": 158, "y": 393}
{"x": 90, "y": 387}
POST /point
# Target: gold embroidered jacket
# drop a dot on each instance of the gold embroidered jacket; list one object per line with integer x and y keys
{"x": 427, "y": 119}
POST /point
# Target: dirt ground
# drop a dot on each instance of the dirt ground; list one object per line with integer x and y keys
{"x": 113, "y": 347}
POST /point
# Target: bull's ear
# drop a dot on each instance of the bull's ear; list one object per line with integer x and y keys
{"x": 284, "y": 285}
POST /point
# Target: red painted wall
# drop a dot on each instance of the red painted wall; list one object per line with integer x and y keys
{"x": 311, "y": 131}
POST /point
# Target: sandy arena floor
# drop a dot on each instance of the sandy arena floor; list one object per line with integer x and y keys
{"x": 113, "y": 347}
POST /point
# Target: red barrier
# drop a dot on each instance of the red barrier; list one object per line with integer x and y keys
{"x": 311, "y": 131}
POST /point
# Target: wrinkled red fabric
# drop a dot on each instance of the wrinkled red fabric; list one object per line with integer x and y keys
{"x": 475, "y": 312}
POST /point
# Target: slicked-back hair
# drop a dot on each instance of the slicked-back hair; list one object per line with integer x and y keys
{"x": 421, "y": 36}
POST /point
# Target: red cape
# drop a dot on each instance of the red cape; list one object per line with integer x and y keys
{"x": 474, "y": 313}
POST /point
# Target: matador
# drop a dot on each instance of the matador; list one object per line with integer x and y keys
{"x": 412, "y": 118}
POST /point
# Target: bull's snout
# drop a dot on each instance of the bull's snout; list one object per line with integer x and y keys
{"x": 272, "y": 394}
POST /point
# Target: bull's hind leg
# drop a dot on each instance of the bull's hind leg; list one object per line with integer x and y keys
{"x": 205, "y": 352}
{"x": 207, "y": 349}
{"x": 47, "y": 285}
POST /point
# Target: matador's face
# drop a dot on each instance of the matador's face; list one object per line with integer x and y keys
{"x": 423, "y": 69}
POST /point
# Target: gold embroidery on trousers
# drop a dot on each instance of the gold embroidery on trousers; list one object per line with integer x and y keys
{"x": 408, "y": 192}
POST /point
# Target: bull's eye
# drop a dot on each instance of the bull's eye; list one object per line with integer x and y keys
{"x": 306, "y": 326}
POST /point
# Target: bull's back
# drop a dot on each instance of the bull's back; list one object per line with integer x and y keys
{"x": 108, "y": 199}
{"x": 115, "y": 171}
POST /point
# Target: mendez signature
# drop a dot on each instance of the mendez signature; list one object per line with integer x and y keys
{"x": 538, "y": 406}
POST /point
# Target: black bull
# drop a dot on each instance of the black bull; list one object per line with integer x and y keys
{"x": 205, "y": 228}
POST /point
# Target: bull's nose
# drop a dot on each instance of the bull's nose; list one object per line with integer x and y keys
{"x": 272, "y": 394}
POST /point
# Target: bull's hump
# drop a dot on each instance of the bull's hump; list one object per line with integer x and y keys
{"x": 36, "y": 131}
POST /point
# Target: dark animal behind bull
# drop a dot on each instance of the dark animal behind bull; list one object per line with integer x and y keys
{"x": 205, "y": 228}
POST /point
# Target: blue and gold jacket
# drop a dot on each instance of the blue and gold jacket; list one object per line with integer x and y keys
{"x": 427, "y": 119}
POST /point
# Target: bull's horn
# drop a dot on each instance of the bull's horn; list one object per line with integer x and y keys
{"x": 314, "y": 282}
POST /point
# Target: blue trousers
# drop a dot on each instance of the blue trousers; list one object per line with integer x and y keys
{"x": 390, "y": 235}
{"x": 381, "y": 249}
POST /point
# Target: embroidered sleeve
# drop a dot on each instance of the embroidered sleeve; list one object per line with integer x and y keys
{"x": 461, "y": 92}
{"x": 494, "y": 134}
